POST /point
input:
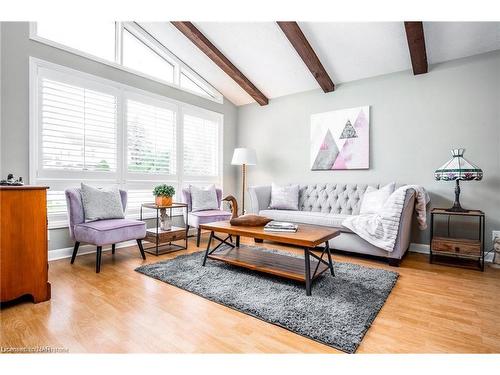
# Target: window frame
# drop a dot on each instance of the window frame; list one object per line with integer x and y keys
{"x": 60, "y": 180}
{"x": 143, "y": 36}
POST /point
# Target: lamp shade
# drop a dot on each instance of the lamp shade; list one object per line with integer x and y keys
{"x": 245, "y": 156}
{"x": 458, "y": 168}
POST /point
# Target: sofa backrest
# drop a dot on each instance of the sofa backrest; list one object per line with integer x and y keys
{"x": 332, "y": 198}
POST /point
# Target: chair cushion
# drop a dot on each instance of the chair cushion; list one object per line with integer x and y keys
{"x": 308, "y": 217}
{"x": 99, "y": 204}
{"x": 105, "y": 232}
{"x": 208, "y": 216}
{"x": 203, "y": 199}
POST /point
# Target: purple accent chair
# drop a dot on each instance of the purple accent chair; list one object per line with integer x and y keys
{"x": 101, "y": 232}
{"x": 194, "y": 219}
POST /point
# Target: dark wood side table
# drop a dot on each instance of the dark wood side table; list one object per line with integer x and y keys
{"x": 465, "y": 250}
{"x": 161, "y": 238}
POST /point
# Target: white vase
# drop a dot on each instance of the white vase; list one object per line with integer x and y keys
{"x": 165, "y": 221}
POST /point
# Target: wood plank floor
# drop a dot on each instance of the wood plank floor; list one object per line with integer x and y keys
{"x": 432, "y": 309}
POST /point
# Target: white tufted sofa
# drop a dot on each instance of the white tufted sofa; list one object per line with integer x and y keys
{"x": 328, "y": 204}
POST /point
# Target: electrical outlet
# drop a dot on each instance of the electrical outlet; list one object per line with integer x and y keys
{"x": 495, "y": 234}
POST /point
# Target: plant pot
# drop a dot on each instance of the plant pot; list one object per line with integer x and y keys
{"x": 163, "y": 201}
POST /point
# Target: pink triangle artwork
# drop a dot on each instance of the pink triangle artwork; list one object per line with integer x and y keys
{"x": 341, "y": 139}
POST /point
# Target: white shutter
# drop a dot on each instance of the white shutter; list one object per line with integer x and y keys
{"x": 201, "y": 146}
{"x": 78, "y": 128}
{"x": 151, "y": 139}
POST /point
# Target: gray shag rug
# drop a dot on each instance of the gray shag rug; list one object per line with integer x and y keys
{"x": 338, "y": 314}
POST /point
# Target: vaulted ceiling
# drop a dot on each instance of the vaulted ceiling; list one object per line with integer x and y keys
{"x": 348, "y": 51}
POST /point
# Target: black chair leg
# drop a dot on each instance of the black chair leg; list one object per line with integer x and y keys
{"x": 113, "y": 247}
{"x": 75, "y": 250}
{"x": 198, "y": 238}
{"x": 139, "y": 243}
{"x": 98, "y": 259}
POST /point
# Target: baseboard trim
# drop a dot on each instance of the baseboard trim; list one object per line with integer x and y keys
{"x": 66, "y": 252}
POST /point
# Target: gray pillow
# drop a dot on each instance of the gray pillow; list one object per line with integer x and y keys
{"x": 203, "y": 198}
{"x": 284, "y": 197}
{"x": 101, "y": 204}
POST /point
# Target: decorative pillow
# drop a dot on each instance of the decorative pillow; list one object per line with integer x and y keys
{"x": 203, "y": 198}
{"x": 284, "y": 197}
{"x": 101, "y": 204}
{"x": 374, "y": 199}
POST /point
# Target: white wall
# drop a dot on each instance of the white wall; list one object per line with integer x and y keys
{"x": 16, "y": 48}
{"x": 415, "y": 121}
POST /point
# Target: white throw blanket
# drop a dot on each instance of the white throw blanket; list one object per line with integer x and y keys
{"x": 381, "y": 229}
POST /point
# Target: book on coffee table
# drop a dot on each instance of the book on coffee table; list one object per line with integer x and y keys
{"x": 280, "y": 226}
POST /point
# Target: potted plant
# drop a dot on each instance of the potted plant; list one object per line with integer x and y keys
{"x": 163, "y": 194}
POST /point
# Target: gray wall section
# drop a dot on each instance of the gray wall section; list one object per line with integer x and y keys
{"x": 16, "y": 48}
{"x": 414, "y": 122}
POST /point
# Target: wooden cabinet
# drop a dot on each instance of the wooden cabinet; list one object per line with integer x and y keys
{"x": 23, "y": 243}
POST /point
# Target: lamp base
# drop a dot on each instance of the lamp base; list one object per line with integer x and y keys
{"x": 456, "y": 206}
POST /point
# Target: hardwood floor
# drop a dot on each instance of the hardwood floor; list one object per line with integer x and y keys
{"x": 432, "y": 309}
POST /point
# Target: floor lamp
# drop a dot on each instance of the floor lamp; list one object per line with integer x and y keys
{"x": 244, "y": 157}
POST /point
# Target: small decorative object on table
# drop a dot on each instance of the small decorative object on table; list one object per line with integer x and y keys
{"x": 458, "y": 168}
{"x": 246, "y": 220}
{"x": 11, "y": 181}
{"x": 463, "y": 249}
{"x": 163, "y": 198}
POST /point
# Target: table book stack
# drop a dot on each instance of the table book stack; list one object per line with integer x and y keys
{"x": 280, "y": 226}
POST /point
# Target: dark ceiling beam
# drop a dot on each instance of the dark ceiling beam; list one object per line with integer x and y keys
{"x": 299, "y": 41}
{"x": 416, "y": 44}
{"x": 200, "y": 41}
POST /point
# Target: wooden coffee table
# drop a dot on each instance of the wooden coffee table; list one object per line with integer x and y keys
{"x": 309, "y": 237}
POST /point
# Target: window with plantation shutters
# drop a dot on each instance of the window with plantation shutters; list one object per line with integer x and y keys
{"x": 78, "y": 128}
{"x": 201, "y": 146}
{"x": 84, "y": 128}
{"x": 151, "y": 139}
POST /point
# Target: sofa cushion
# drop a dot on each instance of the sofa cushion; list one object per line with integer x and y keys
{"x": 105, "y": 232}
{"x": 374, "y": 199}
{"x": 284, "y": 197}
{"x": 307, "y": 217}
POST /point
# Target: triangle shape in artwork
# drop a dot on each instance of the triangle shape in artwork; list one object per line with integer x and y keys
{"x": 327, "y": 153}
{"x": 349, "y": 131}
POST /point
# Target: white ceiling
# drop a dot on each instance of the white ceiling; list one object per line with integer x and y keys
{"x": 348, "y": 51}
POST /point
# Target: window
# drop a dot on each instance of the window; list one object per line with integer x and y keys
{"x": 151, "y": 139}
{"x": 78, "y": 128}
{"x": 201, "y": 145}
{"x": 87, "y": 129}
{"x": 140, "y": 57}
{"x": 124, "y": 45}
{"x": 97, "y": 40}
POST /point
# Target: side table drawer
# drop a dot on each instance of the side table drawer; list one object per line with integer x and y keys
{"x": 456, "y": 246}
{"x": 175, "y": 234}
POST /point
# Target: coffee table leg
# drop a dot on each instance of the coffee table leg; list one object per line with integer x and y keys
{"x": 330, "y": 263}
{"x": 208, "y": 248}
{"x": 308, "y": 271}
{"x": 237, "y": 241}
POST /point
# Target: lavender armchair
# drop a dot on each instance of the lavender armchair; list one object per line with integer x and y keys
{"x": 203, "y": 217}
{"x": 101, "y": 232}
